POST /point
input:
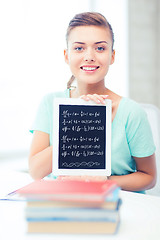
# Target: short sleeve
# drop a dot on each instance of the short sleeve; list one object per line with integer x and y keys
{"x": 44, "y": 118}
{"x": 139, "y": 134}
{"x": 42, "y": 122}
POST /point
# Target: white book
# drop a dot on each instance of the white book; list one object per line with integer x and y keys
{"x": 89, "y": 214}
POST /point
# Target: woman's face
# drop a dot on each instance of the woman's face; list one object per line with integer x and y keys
{"x": 89, "y": 53}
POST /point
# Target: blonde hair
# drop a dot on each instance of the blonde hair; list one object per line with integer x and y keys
{"x": 87, "y": 19}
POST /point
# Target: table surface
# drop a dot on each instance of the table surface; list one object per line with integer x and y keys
{"x": 139, "y": 213}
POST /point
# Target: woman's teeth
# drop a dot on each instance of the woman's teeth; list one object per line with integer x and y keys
{"x": 89, "y": 68}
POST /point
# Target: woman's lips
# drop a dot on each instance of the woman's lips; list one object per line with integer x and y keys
{"x": 89, "y": 68}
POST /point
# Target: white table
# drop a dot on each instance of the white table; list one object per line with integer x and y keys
{"x": 140, "y": 215}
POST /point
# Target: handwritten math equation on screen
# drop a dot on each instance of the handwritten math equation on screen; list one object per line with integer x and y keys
{"x": 83, "y": 137}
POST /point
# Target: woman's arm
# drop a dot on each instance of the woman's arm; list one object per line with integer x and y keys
{"x": 40, "y": 158}
{"x": 144, "y": 178}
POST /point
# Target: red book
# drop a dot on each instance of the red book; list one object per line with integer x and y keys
{"x": 71, "y": 190}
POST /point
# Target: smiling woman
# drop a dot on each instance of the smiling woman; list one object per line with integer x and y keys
{"x": 132, "y": 149}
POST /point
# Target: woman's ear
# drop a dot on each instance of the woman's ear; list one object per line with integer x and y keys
{"x": 66, "y": 56}
{"x": 113, "y": 57}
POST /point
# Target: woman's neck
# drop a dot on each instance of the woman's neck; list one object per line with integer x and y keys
{"x": 88, "y": 89}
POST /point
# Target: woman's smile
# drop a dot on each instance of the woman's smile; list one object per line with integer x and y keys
{"x": 89, "y": 68}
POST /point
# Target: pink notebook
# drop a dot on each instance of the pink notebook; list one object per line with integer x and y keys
{"x": 72, "y": 190}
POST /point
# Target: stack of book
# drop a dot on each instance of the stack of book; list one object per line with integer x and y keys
{"x": 70, "y": 206}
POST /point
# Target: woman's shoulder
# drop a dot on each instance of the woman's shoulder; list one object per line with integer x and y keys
{"x": 124, "y": 105}
{"x": 131, "y": 111}
{"x": 48, "y": 98}
{"x": 130, "y": 103}
{"x": 131, "y": 106}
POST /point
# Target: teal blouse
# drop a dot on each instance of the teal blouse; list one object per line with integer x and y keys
{"x": 131, "y": 132}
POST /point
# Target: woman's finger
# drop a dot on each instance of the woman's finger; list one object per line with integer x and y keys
{"x": 94, "y": 97}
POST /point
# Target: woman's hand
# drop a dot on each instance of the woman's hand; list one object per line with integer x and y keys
{"x": 100, "y": 99}
{"x": 95, "y": 97}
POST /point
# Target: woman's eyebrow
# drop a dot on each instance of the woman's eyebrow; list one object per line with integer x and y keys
{"x": 94, "y": 43}
{"x": 78, "y": 43}
{"x": 101, "y": 42}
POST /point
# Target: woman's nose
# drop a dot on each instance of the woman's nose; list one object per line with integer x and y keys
{"x": 89, "y": 55}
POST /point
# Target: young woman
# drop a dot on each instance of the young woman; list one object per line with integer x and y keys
{"x": 89, "y": 54}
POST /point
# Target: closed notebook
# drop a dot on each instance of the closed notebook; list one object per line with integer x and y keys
{"x": 111, "y": 202}
{"x": 74, "y": 227}
{"x": 71, "y": 213}
{"x": 75, "y": 190}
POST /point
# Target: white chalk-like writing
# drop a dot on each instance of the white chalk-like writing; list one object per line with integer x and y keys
{"x": 81, "y": 137}
{"x": 67, "y": 114}
{"x": 78, "y": 164}
{"x": 86, "y": 128}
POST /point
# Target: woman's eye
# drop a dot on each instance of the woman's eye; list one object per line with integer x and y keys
{"x": 78, "y": 49}
{"x": 100, "y": 49}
